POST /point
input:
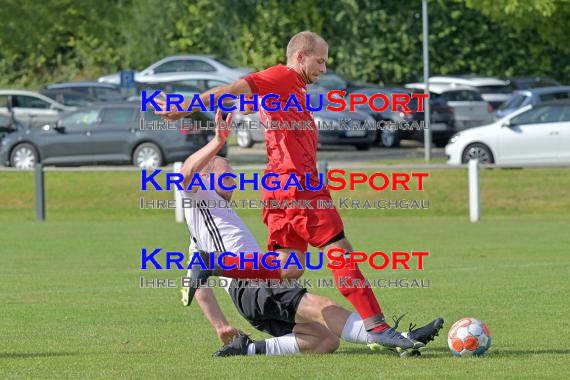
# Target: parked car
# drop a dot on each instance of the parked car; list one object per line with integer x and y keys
{"x": 532, "y": 134}
{"x": 522, "y": 98}
{"x": 182, "y": 64}
{"x": 469, "y": 107}
{"x": 104, "y": 133}
{"x": 168, "y": 88}
{"x": 442, "y": 121}
{"x": 102, "y": 92}
{"x": 361, "y": 139}
{"x": 70, "y": 98}
{"x": 493, "y": 90}
{"x": 526, "y": 83}
{"x": 202, "y": 81}
{"x": 30, "y": 107}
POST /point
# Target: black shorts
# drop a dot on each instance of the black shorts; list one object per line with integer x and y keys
{"x": 271, "y": 310}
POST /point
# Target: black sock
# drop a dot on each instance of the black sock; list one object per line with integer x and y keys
{"x": 260, "y": 347}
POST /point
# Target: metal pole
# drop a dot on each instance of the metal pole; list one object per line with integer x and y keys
{"x": 179, "y": 211}
{"x": 40, "y": 193}
{"x": 427, "y": 132}
{"x": 474, "y": 191}
{"x": 323, "y": 167}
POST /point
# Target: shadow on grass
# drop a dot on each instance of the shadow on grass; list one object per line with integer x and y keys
{"x": 438, "y": 352}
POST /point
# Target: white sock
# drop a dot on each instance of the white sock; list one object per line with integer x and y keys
{"x": 283, "y": 345}
{"x": 353, "y": 330}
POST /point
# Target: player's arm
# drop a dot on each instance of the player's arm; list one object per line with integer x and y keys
{"x": 211, "y": 309}
{"x": 236, "y": 88}
{"x": 197, "y": 161}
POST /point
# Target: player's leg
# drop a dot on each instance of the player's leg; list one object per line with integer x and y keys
{"x": 306, "y": 337}
{"x": 381, "y": 335}
{"x": 349, "y": 326}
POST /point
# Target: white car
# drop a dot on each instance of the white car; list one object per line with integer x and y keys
{"x": 495, "y": 91}
{"x": 31, "y": 108}
{"x": 468, "y": 106}
{"x": 182, "y": 64}
{"x": 533, "y": 135}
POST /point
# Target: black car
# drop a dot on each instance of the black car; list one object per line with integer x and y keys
{"x": 105, "y": 133}
{"x": 527, "y": 83}
{"x": 102, "y": 92}
{"x": 70, "y": 98}
{"x": 442, "y": 119}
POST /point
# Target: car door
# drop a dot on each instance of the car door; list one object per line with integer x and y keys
{"x": 564, "y": 136}
{"x": 112, "y": 135}
{"x": 532, "y": 136}
{"x": 71, "y": 142}
{"x": 34, "y": 110}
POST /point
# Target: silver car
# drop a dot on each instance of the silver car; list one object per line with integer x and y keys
{"x": 469, "y": 107}
{"x": 31, "y": 108}
{"x": 182, "y": 64}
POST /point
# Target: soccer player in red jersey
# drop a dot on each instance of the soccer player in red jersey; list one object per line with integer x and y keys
{"x": 295, "y": 151}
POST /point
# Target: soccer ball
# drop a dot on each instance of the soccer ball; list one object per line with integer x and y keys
{"x": 469, "y": 336}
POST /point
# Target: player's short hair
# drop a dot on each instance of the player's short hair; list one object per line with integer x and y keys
{"x": 209, "y": 168}
{"x": 305, "y": 41}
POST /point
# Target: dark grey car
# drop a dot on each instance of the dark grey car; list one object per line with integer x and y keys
{"x": 104, "y": 133}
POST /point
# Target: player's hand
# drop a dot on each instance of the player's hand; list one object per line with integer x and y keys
{"x": 226, "y": 333}
{"x": 172, "y": 114}
{"x": 223, "y": 128}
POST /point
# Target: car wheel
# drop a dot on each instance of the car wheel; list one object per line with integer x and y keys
{"x": 24, "y": 157}
{"x": 147, "y": 156}
{"x": 244, "y": 139}
{"x": 363, "y": 146}
{"x": 390, "y": 139}
{"x": 479, "y": 152}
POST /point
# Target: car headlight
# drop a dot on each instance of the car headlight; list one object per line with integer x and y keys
{"x": 454, "y": 138}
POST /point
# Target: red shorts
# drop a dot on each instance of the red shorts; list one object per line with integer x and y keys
{"x": 296, "y": 227}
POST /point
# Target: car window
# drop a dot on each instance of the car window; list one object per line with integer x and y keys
{"x": 565, "y": 114}
{"x": 107, "y": 94}
{"x": 554, "y": 96}
{"x": 80, "y": 118}
{"x": 548, "y": 114}
{"x": 214, "y": 83}
{"x": 75, "y": 100}
{"x": 4, "y": 99}
{"x": 195, "y": 65}
{"x": 83, "y": 90}
{"x": 497, "y": 89}
{"x": 462, "y": 96}
{"x": 167, "y": 67}
{"x": 117, "y": 115}
{"x": 513, "y": 102}
{"x": 30, "y": 102}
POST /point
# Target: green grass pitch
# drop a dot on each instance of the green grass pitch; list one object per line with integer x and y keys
{"x": 71, "y": 305}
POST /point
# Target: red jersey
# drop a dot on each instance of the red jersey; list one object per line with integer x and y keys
{"x": 293, "y": 150}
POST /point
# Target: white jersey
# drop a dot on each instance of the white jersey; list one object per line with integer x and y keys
{"x": 216, "y": 229}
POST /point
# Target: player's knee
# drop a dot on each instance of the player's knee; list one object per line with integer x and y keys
{"x": 328, "y": 343}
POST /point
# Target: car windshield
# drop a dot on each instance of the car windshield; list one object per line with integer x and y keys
{"x": 513, "y": 103}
